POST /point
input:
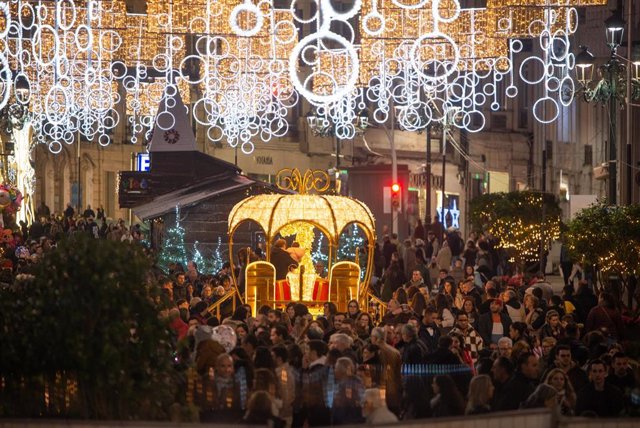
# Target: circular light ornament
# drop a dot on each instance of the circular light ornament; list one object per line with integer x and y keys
{"x": 410, "y": 6}
{"x": 251, "y": 9}
{"x": 375, "y": 16}
{"x": 352, "y": 78}
{"x": 442, "y": 69}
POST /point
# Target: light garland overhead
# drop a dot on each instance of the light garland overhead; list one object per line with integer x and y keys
{"x": 238, "y": 63}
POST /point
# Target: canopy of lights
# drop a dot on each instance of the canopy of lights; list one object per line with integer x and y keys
{"x": 241, "y": 66}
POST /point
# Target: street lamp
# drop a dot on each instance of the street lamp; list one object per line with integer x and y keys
{"x": 611, "y": 89}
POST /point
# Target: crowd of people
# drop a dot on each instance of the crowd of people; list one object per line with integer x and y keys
{"x": 459, "y": 334}
{"x": 25, "y": 244}
{"x": 451, "y": 341}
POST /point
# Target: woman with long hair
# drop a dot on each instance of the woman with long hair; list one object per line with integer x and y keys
{"x": 260, "y": 411}
{"x": 353, "y": 309}
{"x": 401, "y": 296}
{"x": 533, "y": 313}
{"x": 459, "y": 349}
{"x": 518, "y": 331}
{"x": 418, "y": 304}
{"x": 445, "y": 318}
{"x": 364, "y": 325}
{"x": 566, "y": 395}
{"x": 447, "y": 400}
{"x": 469, "y": 308}
{"x": 480, "y": 395}
{"x": 450, "y": 290}
{"x": 263, "y": 359}
{"x": 329, "y": 311}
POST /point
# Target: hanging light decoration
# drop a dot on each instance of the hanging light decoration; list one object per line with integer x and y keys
{"x": 242, "y": 75}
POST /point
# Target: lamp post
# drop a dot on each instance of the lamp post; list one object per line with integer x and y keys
{"x": 611, "y": 89}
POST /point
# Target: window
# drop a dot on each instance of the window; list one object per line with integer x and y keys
{"x": 588, "y": 155}
{"x": 549, "y": 149}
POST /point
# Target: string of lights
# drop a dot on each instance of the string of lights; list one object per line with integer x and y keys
{"x": 242, "y": 67}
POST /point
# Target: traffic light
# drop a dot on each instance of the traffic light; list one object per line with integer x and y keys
{"x": 395, "y": 196}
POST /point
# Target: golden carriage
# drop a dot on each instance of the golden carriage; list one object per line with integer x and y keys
{"x": 301, "y": 215}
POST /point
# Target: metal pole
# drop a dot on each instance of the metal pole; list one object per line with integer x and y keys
{"x": 79, "y": 178}
{"x": 613, "y": 122}
{"x": 629, "y": 180}
{"x": 544, "y": 165}
{"x": 444, "y": 175}
{"x": 394, "y": 167}
{"x": 427, "y": 214}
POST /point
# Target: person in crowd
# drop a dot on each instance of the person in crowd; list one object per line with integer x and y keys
{"x": 444, "y": 320}
{"x": 621, "y": 375}
{"x": 606, "y": 318}
{"x": 599, "y": 398}
{"x": 260, "y": 411}
{"x": 543, "y": 396}
{"x": 459, "y": 349}
{"x": 447, "y": 400}
{"x": 428, "y": 332}
{"x": 480, "y": 395}
{"x": 417, "y": 280}
{"x": 566, "y": 395}
{"x": 513, "y": 307}
{"x": 364, "y": 325}
{"x": 469, "y": 254}
{"x": 281, "y": 259}
{"x": 494, "y": 325}
{"x": 375, "y": 410}
{"x": 584, "y": 300}
{"x": 468, "y": 290}
{"x": 534, "y": 315}
{"x": 519, "y": 331}
{"x": 353, "y": 309}
{"x": 349, "y": 390}
{"x": 505, "y": 346}
{"x": 501, "y": 374}
{"x": 552, "y": 327}
{"x": 392, "y": 278}
{"x": 391, "y": 362}
{"x": 473, "y": 342}
{"x": 450, "y": 291}
{"x": 469, "y": 308}
{"x": 521, "y": 385}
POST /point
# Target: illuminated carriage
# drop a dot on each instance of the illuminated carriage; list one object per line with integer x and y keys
{"x": 301, "y": 215}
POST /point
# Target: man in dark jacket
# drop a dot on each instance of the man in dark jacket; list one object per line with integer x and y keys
{"x": 599, "y": 397}
{"x": 281, "y": 260}
{"x": 429, "y": 332}
{"x": 494, "y": 325}
{"x": 413, "y": 351}
{"x": 521, "y": 385}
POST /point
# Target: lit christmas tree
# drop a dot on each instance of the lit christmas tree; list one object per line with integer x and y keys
{"x": 348, "y": 244}
{"x": 198, "y": 259}
{"x": 318, "y": 256}
{"x": 208, "y": 265}
{"x": 347, "y": 248}
{"x": 218, "y": 259}
{"x": 173, "y": 249}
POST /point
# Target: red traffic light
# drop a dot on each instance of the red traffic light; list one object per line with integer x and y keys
{"x": 395, "y": 187}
